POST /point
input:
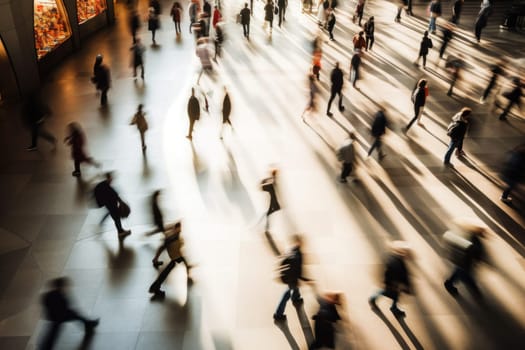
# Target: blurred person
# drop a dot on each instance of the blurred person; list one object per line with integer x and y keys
{"x": 138, "y": 58}
{"x": 291, "y": 270}
{"x": 101, "y": 79}
{"x": 317, "y": 56}
{"x": 226, "y": 110}
{"x": 268, "y": 15}
{"x": 77, "y": 140}
{"x": 419, "y": 98}
{"x": 194, "y": 112}
{"x": 400, "y": 5}
{"x": 217, "y": 17}
{"x": 378, "y": 129}
{"x": 325, "y": 318}
{"x": 139, "y": 120}
{"x": 176, "y": 15}
{"x": 435, "y": 12}
{"x": 346, "y": 155}
{"x": 483, "y": 18}
{"x": 153, "y": 23}
{"x": 106, "y": 196}
{"x": 497, "y": 70}
{"x": 156, "y": 213}
{"x": 219, "y": 39}
{"x": 457, "y": 130}
{"x": 455, "y": 66}
{"x": 313, "y": 88}
{"x": 281, "y": 7}
{"x": 424, "y": 47}
{"x": 173, "y": 244}
{"x": 134, "y": 23}
{"x": 396, "y": 277}
{"x": 355, "y": 64}
{"x": 358, "y": 13}
{"x": 468, "y": 250}
{"x": 513, "y": 172}
{"x": 359, "y": 41}
{"x": 57, "y": 310}
{"x": 206, "y": 14}
{"x": 200, "y": 26}
{"x": 203, "y": 52}
{"x": 193, "y": 11}
{"x": 322, "y": 6}
{"x": 448, "y": 32}
{"x": 245, "y": 20}
{"x": 35, "y": 113}
{"x": 513, "y": 96}
{"x": 336, "y": 79}
{"x": 456, "y": 11}
{"x": 269, "y": 185}
{"x": 330, "y": 24}
{"x": 369, "y": 28}
{"x": 156, "y": 6}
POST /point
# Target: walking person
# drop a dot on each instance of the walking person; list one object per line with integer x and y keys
{"x": 153, "y": 23}
{"x": 317, "y": 56}
{"x": 369, "y": 29}
{"x": 468, "y": 256}
{"x": 435, "y": 12}
{"x": 268, "y": 15}
{"x": 419, "y": 98}
{"x": 359, "y": 10}
{"x": 400, "y": 5}
{"x": 378, "y": 130}
{"x": 158, "y": 218}
{"x": 281, "y": 5}
{"x": 206, "y": 15}
{"x": 456, "y": 11}
{"x": 457, "y": 130}
{"x": 176, "y": 15}
{"x": 139, "y": 119}
{"x": 203, "y": 53}
{"x": 219, "y": 39}
{"x": 513, "y": 96}
{"x": 513, "y": 172}
{"x": 134, "y": 24}
{"x": 226, "y": 110}
{"x": 424, "y": 47}
{"x": 325, "y": 319}
{"x": 396, "y": 278}
{"x": 346, "y": 155}
{"x": 106, "y": 196}
{"x": 174, "y": 245}
{"x": 355, "y": 65}
{"x": 447, "y": 36}
{"x": 57, "y": 310}
{"x": 330, "y": 24}
{"x": 217, "y": 17}
{"x": 455, "y": 66}
{"x": 101, "y": 79}
{"x": 194, "y": 112}
{"x": 313, "y": 88}
{"x": 496, "y": 70}
{"x": 245, "y": 21}
{"x": 359, "y": 41}
{"x": 193, "y": 11}
{"x": 291, "y": 272}
{"x": 138, "y": 58}
{"x": 35, "y": 113}
{"x": 77, "y": 140}
{"x": 482, "y": 19}
{"x": 269, "y": 185}
{"x": 336, "y": 79}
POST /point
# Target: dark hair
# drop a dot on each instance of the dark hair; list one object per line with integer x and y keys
{"x": 59, "y": 282}
{"x": 465, "y": 111}
{"x": 422, "y": 83}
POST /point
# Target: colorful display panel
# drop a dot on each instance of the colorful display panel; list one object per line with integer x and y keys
{"x": 51, "y": 26}
{"x": 87, "y": 9}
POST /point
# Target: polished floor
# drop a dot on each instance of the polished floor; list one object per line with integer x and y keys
{"x": 49, "y": 223}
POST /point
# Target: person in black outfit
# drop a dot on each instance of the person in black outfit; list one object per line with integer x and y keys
{"x": 269, "y": 185}
{"x": 336, "y": 78}
{"x": 102, "y": 79}
{"x": 226, "y": 111}
{"x": 455, "y": 66}
{"x": 396, "y": 278}
{"x": 206, "y": 9}
{"x": 378, "y": 130}
{"x": 156, "y": 6}
{"x": 219, "y": 39}
{"x": 137, "y": 52}
{"x": 57, "y": 310}
{"x": 419, "y": 97}
{"x": 330, "y": 24}
{"x": 465, "y": 266}
{"x": 134, "y": 24}
{"x": 35, "y": 113}
{"x": 496, "y": 70}
{"x": 456, "y": 11}
{"x": 106, "y": 196}
{"x": 426, "y": 44}
{"x": 194, "y": 112}
{"x": 355, "y": 64}
{"x": 295, "y": 273}
{"x": 457, "y": 131}
{"x": 482, "y": 19}
{"x": 245, "y": 21}
{"x": 282, "y": 4}
{"x": 268, "y": 14}
{"x": 324, "y": 320}
{"x": 369, "y": 29}
{"x": 513, "y": 172}
{"x": 447, "y": 35}
{"x": 158, "y": 218}
{"x": 514, "y": 97}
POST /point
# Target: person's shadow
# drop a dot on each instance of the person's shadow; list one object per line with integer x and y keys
{"x": 283, "y": 326}
{"x": 305, "y": 324}
{"x": 399, "y": 338}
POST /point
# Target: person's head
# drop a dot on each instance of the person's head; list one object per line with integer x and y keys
{"x": 465, "y": 112}
{"x": 109, "y": 176}
{"x": 245, "y": 4}
{"x": 60, "y": 283}
{"x": 335, "y": 298}
{"x": 422, "y": 83}
{"x": 516, "y": 81}
{"x": 361, "y": 33}
{"x": 351, "y": 136}
{"x": 177, "y": 227}
{"x": 140, "y": 106}
{"x": 99, "y": 58}
{"x": 74, "y": 128}
{"x": 192, "y": 91}
{"x": 273, "y": 172}
{"x": 336, "y": 64}
{"x": 371, "y": 19}
{"x": 156, "y": 194}
{"x": 297, "y": 240}
{"x": 425, "y": 34}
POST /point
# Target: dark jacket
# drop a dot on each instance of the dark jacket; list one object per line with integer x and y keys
{"x": 134, "y": 22}
{"x": 331, "y": 22}
{"x": 475, "y": 252}
{"x": 268, "y": 12}
{"x": 396, "y": 273}
{"x": 245, "y": 16}
{"x": 459, "y": 130}
{"x": 194, "y": 109}
{"x": 105, "y": 195}
{"x": 369, "y": 28}
{"x": 356, "y": 61}
{"x": 206, "y": 8}
{"x": 379, "y": 125}
{"x": 282, "y": 3}
{"x": 56, "y": 306}
{"x": 226, "y": 107}
{"x": 435, "y": 7}
{"x": 425, "y": 45}
{"x": 156, "y": 6}
{"x": 336, "y": 77}
{"x": 419, "y": 97}
{"x": 296, "y": 272}
{"x": 514, "y": 95}
{"x": 102, "y": 76}
{"x": 324, "y": 324}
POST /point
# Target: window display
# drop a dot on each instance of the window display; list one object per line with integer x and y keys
{"x": 87, "y": 9}
{"x": 51, "y": 26}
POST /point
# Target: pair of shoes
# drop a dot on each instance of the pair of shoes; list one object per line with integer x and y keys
{"x": 481, "y": 100}
{"x": 89, "y": 326}
{"x": 189, "y": 137}
{"x": 298, "y": 302}
{"x": 397, "y": 312}
{"x": 158, "y": 294}
{"x": 31, "y": 148}
{"x": 342, "y": 108}
{"x": 502, "y": 117}
{"x": 123, "y": 234}
{"x": 448, "y": 164}
{"x": 281, "y": 317}
{"x": 157, "y": 263}
{"x": 372, "y": 303}
{"x": 330, "y": 114}
{"x": 342, "y": 180}
{"x": 450, "y": 288}
{"x": 76, "y": 173}
{"x": 506, "y": 200}
{"x": 460, "y": 153}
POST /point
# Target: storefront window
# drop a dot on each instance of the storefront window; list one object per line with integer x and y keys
{"x": 87, "y": 9}
{"x": 51, "y": 26}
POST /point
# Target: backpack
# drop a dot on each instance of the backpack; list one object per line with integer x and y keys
{"x": 285, "y": 269}
{"x": 452, "y": 127}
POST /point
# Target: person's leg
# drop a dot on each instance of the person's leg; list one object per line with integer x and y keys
{"x": 282, "y": 304}
{"x": 489, "y": 88}
{"x": 371, "y": 42}
{"x": 506, "y": 111}
{"x": 416, "y": 114}
{"x": 452, "y": 145}
{"x": 340, "y": 93}
{"x": 142, "y": 140}
{"x": 360, "y": 18}
{"x": 155, "y": 286}
{"x": 424, "y": 61}
{"x": 452, "y": 83}
{"x": 190, "y": 130}
{"x": 104, "y": 97}
{"x": 373, "y": 298}
{"x": 374, "y": 145}
{"x": 142, "y": 71}
{"x": 345, "y": 171}
{"x": 115, "y": 215}
{"x": 331, "y": 32}
{"x": 76, "y": 162}
{"x": 51, "y": 335}
{"x": 419, "y": 114}
{"x": 296, "y": 295}
{"x": 511, "y": 183}
{"x": 332, "y": 96}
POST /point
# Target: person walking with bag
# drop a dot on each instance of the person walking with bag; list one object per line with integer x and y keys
{"x": 355, "y": 65}
{"x": 77, "y": 140}
{"x": 378, "y": 130}
{"x": 325, "y": 319}
{"x": 194, "y": 112}
{"x": 424, "y": 47}
{"x": 245, "y": 20}
{"x": 457, "y": 130}
{"x": 346, "y": 155}
{"x": 35, "y": 113}
{"x": 101, "y": 79}
{"x": 419, "y": 98}
{"x": 139, "y": 119}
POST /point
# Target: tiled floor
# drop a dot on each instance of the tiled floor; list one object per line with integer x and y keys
{"x": 49, "y": 223}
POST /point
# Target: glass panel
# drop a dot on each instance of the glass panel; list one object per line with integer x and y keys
{"x": 87, "y": 9}
{"x": 8, "y": 85}
{"x": 51, "y": 26}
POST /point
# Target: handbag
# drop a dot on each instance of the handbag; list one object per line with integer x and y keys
{"x": 123, "y": 209}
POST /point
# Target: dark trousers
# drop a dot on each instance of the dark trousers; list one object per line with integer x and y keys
{"x": 478, "y": 29}
{"x": 192, "y": 123}
{"x": 246, "y": 29}
{"x": 507, "y": 109}
{"x": 37, "y": 131}
{"x": 137, "y": 65}
{"x": 458, "y": 143}
{"x": 511, "y": 183}
{"x": 489, "y": 88}
{"x": 332, "y": 96}
{"x": 155, "y": 286}
{"x": 53, "y": 330}
{"x": 347, "y": 169}
{"x": 398, "y": 16}
{"x": 331, "y": 33}
{"x": 452, "y": 83}
{"x": 282, "y": 13}
{"x": 466, "y": 277}
{"x": 417, "y": 110}
{"x": 377, "y": 144}
{"x": 104, "y": 96}
{"x": 369, "y": 42}
{"x": 442, "y": 49}
{"x": 115, "y": 215}
{"x": 424, "y": 59}
{"x": 177, "y": 27}
{"x": 293, "y": 292}
{"x": 389, "y": 293}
